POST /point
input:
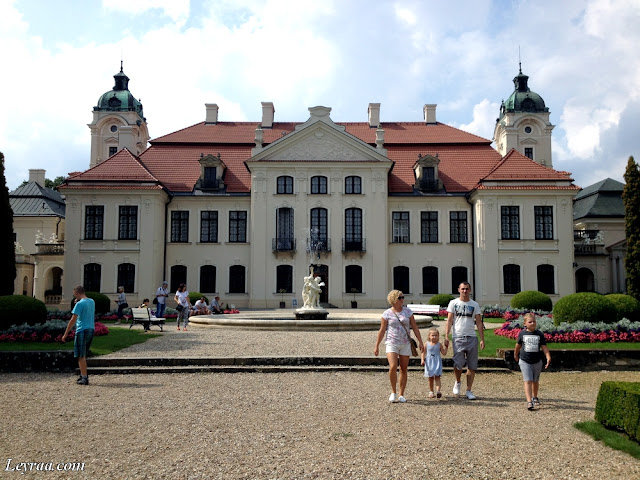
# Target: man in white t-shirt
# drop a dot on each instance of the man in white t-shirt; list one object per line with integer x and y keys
{"x": 463, "y": 316}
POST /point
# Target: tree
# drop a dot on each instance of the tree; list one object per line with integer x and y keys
{"x": 52, "y": 184}
{"x": 631, "y": 199}
{"x": 7, "y": 247}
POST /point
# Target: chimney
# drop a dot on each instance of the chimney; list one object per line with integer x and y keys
{"x": 267, "y": 114}
{"x": 430, "y": 113}
{"x": 37, "y": 175}
{"x": 212, "y": 113}
{"x": 374, "y": 115}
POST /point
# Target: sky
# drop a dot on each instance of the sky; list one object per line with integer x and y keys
{"x": 59, "y": 57}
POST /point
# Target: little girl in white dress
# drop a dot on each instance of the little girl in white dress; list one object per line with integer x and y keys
{"x": 432, "y": 361}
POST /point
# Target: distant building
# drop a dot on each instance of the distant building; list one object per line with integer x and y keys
{"x": 38, "y": 226}
{"x": 244, "y": 209}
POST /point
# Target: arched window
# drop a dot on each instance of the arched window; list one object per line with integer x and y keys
{"x": 458, "y": 275}
{"x": 127, "y": 277}
{"x": 178, "y": 276}
{"x": 319, "y": 184}
{"x": 401, "y": 279}
{"x": 319, "y": 232}
{"x": 285, "y": 236}
{"x": 584, "y": 280}
{"x": 430, "y": 280}
{"x": 353, "y": 230}
{"x": 284, "y": 278}
{"x": 511, "y": 278}
{"x": 352, "y": 185}
{"x": 236, "y": 279}
{"x": 92, "y": 276}
{"x": 285, "y": 184}
{"x": 207, "y": 279}
{"x": 353, "y": 278}
{"x": 546, "y": 281}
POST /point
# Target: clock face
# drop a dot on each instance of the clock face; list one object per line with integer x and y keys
{"x": 114, "y": 102}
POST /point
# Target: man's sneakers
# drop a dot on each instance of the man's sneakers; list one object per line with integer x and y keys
{"x": 456, "y": 388}
{"x": 393, "y": 398}
{"x": 470, "y": 395}
{"x": 82, "y": 380}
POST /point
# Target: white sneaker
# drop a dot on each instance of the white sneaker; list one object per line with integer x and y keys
{"x": 401, "y": 399}
{"x": 456, "y": 388}
{"x": 393, "y": 398}
{"x": 470, "y": 395}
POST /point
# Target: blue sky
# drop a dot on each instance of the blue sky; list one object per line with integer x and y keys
{"x": 59, "y": 57}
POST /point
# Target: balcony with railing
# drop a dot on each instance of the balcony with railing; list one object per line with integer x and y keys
{"x": 283, "y": 244}
{"x": 50, "y": 248}
{"x": 588, "y": 242}
{"x": 351, "y": 245}
{"x": 319, "y": 245}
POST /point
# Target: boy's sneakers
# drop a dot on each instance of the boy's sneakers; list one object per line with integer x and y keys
{"x": 393, "y": 398}
{"x": 83, "y": 381}
{"x": 470, "y": 395}
{"x": 529, "y": 405}
{"x": 456, "y": 388}
{"x": 535, "y": 401}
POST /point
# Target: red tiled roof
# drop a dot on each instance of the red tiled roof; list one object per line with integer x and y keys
{"x": 515, "y": 166}
{"x": 121, "y": 167}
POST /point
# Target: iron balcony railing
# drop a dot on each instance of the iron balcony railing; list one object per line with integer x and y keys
{"x": 585, "y": 234}
{"x": 50, "y": 248}
{"x": 350, "y": 245}
{"x": 283, "y": 244}
{"x": 321, "y": 245}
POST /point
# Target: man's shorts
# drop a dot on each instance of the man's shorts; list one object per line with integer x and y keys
{"x": 465, "y": 352}
{"x": 530, "y": 371}
{"x": 82, "y": 342}
{"x": 402, "y": 349}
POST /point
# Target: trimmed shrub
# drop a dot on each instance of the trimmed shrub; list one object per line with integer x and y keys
{"x": 102, "y": 301}
{"x": 532, "y": 300}
{"x": 441, "y": 299}
{"x": 585, "y": 306}
{"x": 19, "y": 309}
{"x": 618, "y": 407}
{"x": 195, "y": 296}
{"x": 626, "y": 306}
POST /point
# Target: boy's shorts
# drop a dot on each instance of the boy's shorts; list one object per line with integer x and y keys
{"x": 530, "y": 371}
{"x": 465, "y": 352}
{"x": 82, "y": 342}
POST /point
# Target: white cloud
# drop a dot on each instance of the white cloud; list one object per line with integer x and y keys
{"x": 484, "y": 115}
{"x": 177, "y": 10}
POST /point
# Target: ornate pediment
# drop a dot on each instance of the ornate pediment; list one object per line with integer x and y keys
{"x": 320, "y": 146}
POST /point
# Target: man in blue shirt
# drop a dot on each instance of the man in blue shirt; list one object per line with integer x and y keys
{"x": 83, "y": 318}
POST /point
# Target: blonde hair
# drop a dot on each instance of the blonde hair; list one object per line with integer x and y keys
{"x": 433, "y": 330}
{"x": 393, "y": 296}
{"x": 528, "y": 316}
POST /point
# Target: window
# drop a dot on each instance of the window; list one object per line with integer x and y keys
{"x": 511, "y": 278}
{"x": 285, "y": 184}
{"x": 284, "y": 278}
{"x": 458, "y": 228}
{"x": 284, "y": 230}
{"x": 180, "y": 226}
{"x": 401, "y": 279}
{"x": 544, "y": 223}
{"x": 353, "y": 230}
{"x": 319, "y": 184}
{"x": 546, "y": 283}
{"x": 210, "y": 177}
{"x": 209, "y": 229}
{"x": 178, "y": 276}
{"x": 429, "y": 227}
{"x": 207, "y": 279}
{"x": 528, "y": 152}
{"x": 237, "y": 227}
{"x": 319, "y": 233}
{"x": 236, "y": 279}
{"x": 93, "y": 223}
{"x": 400, "y": 232}
{"x": 353, "y": 185}
{"x": 353, "y": 278}
{"x": 458, "y": 275}
{"x": 127, "y": 277}
{"x": 113, "y": 151}
{"x": 92, "y": 274}
{"x": 429, "y": 280}
{"x": 510, "y": 218}
{"x": 128, "y": 224}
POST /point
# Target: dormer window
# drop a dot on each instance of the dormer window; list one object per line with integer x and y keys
{"x": 426, "y": 172}
{"x": 211, "y": 173}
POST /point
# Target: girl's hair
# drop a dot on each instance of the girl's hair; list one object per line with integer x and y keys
{"x": 393, "y": 296}
{"x": 432, "y": 330}
{"x": 529, "y": 316}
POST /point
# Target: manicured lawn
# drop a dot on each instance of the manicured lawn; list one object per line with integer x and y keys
{"x": 611, "y": 438}
{"x": 117, "y": 339}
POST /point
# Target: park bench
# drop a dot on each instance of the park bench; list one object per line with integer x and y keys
{"x": 143, "y": 315}
{"x": 420, "y": 309}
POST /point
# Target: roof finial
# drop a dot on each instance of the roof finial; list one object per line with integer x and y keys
{"x": 121, "y": 66}
{"x": 519, "y": 61}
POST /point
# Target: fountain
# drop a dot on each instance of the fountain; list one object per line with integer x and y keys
{"x": 312, "y": 284}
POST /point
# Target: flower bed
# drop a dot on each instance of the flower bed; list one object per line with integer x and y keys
{"x": 50, "y": 331}
{"x": 579, "y": 332}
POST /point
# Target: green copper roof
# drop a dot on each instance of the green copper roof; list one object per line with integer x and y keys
{"x": 522, "y": 99}
{"x": 119, "y": 99}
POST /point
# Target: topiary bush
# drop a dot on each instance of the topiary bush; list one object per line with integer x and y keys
{"x": 586, "y": 306}
{"x": 19, "y": 309}
{"x": 626, "y": 306}
{"x": 102, "y": 301}
{"x": 532, "y": 300}
{"x": 441, "y": 299}
{"x": 618, "y": 407}
{"x": 195, "y": 296}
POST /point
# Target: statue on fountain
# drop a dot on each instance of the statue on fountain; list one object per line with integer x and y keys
{"x": 311, "y": 291}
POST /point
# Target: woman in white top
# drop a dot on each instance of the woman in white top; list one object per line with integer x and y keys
{"x": 183, "y": 307}
{"x": 396, "y": 322}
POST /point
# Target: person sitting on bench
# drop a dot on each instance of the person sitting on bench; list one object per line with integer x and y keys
{"x": 147, "y": 324}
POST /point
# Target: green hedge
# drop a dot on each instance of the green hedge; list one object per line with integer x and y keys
{"x": 618, "y": 407}
{"x": 626, "y": 306}
{"x": 195, "y": 296}
{"x": 19, "y": 309}
{"x": 441, "y": 299}
{"x": 532, "y": 300}
{"x": 587, "y": 307}
{"x": 103, "y": 304}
